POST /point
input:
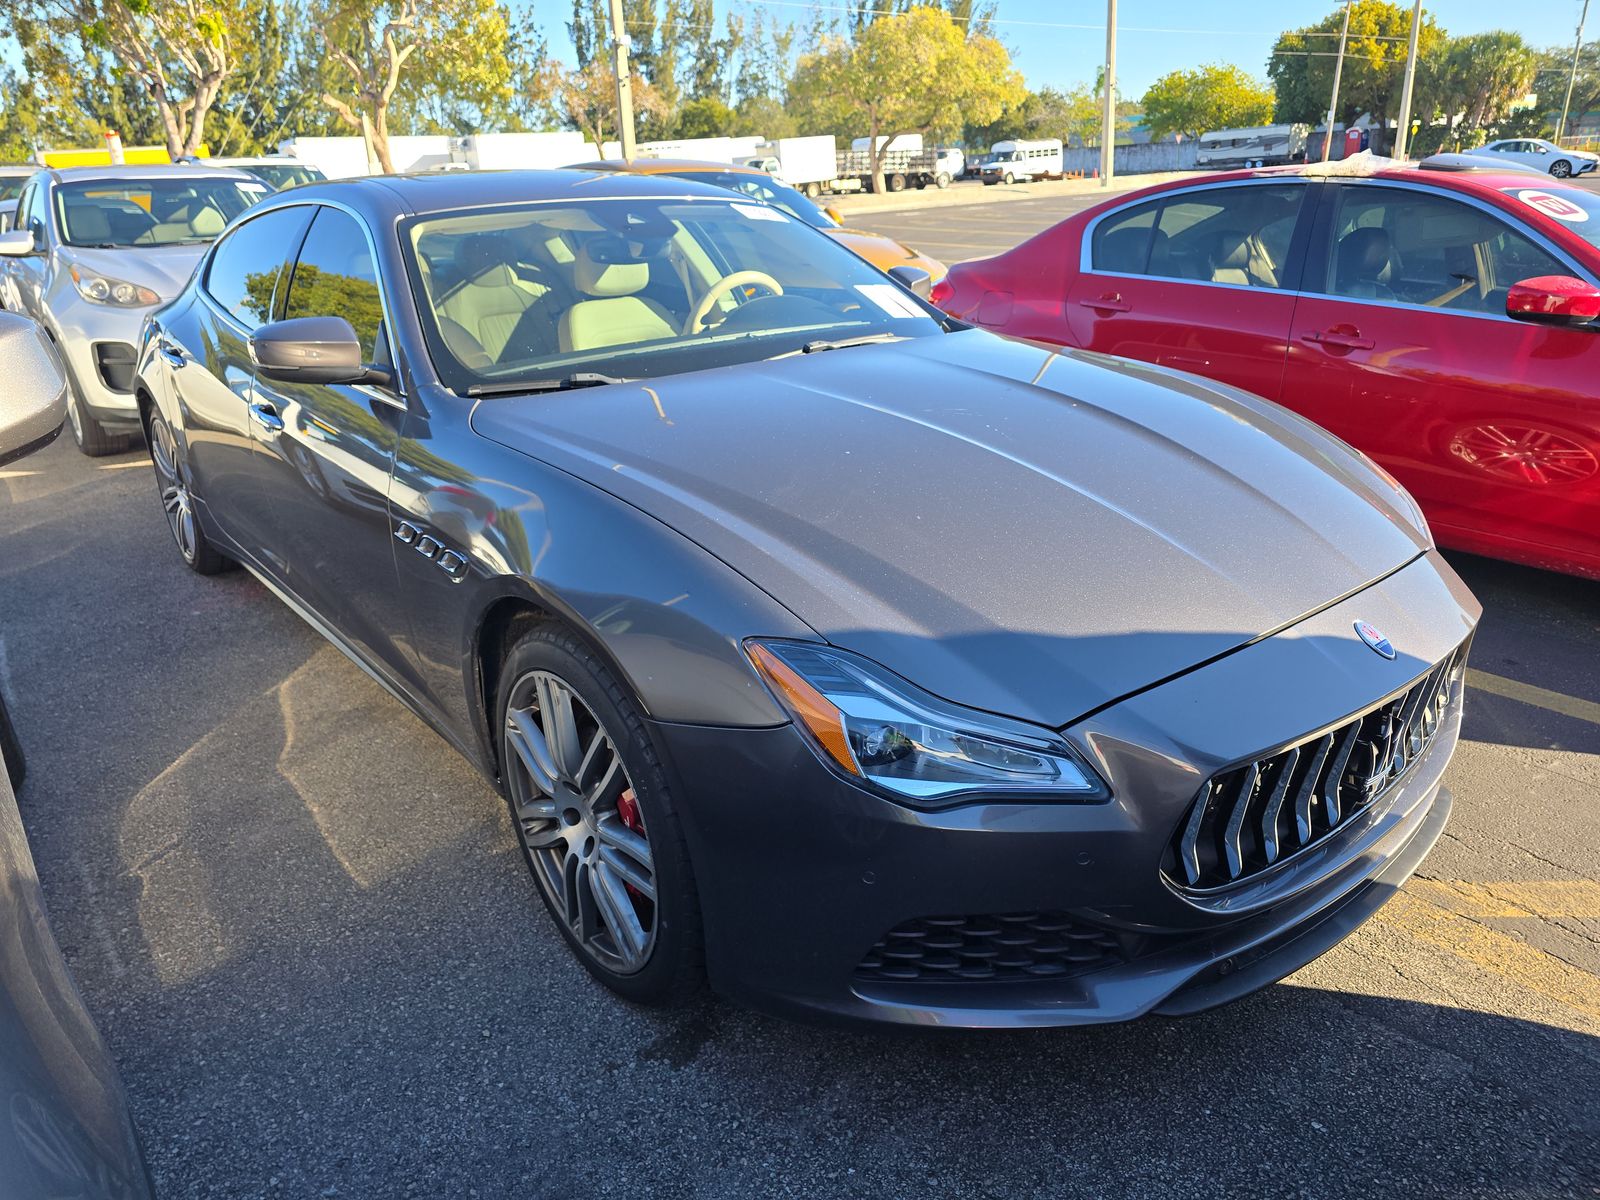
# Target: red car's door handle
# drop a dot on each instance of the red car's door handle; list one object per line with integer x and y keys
{"x": 1109, "y": 303}
{"x": 1339, "y": 339}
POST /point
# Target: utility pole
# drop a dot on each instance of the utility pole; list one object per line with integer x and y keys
{"x": 1108, "y": 131}
{"x": 622, "y": 43}
{"x": 1402, "y": 133}
{"x": 1577, "y": 48}
{"x": 1338, "y": 72}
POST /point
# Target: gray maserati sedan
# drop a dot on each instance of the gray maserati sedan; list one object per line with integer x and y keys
{"x": 863, "y": 663}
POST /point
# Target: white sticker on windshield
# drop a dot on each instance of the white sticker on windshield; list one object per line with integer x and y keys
{"x": 891, "y": 299}
{"x": 1552, "y": 205}
{"x": 759, "y": 212}
{"x": 252, "y": 187}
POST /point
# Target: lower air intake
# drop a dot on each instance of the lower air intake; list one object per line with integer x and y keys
{"x": 1006, "y": 946}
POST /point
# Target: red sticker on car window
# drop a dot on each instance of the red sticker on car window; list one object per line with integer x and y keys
{"x": 1552, "y": 205}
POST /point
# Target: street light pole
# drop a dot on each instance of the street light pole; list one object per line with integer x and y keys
{"x": 621, "y": 42}
{"x": 1403, "y": 133}
{"x": 1338, "y": 72}
{"x": 1577, "y": 48}
{"x": 1108, "y": 129}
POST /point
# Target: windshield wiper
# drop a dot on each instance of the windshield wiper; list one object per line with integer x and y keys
{"x": 577, "y": 380}
{"x": 818, "y": 345}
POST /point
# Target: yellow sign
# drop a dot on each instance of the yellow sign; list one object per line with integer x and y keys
{"x": 99, "y": 156}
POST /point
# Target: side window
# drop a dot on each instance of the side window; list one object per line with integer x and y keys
{"x": 1216, "y": 235}
{"x": 247, "y": 267}
{"x": 19, "y": 219}
{"x": 1122, "y": 241}
{"x": 336, "y": 277}
{"x": 1415, "y": 248}
{"x": 34, "y": 212}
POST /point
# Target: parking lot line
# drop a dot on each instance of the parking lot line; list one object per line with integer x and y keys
{"x": 138, "y": 462}
{"x": 1543, "y": 898}
{"x": 1527, "y": 693}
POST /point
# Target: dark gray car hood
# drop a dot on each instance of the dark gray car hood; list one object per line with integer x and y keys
{"x": 1020, "y": 530}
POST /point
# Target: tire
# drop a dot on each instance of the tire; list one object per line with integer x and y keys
{"x": 172, "y": 486}
{"x": 942, "y": 180}
{"x": 1561, "y": 169}
{"x": 11, "y": 748}
{"x": 570, "y": 835}
{"x": 813, "y": 190}
{"x": 897, "y": 183}
{"x": 1009, "y": 179}
{"x": 88, "y": 435}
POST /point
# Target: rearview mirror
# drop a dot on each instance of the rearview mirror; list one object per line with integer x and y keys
{"x": 33, "y": 404}
{"x": 914, "y": 279}
{"x": 1553, "y": 300}
{"x": 309, "y": 350}
{"x": 16, "y": 243}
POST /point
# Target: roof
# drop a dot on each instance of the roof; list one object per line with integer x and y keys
{"x": 144, "y": 171}
{"x": 444, "y": 191}
{"x": 667, "y": 166}
{"x": 18, "y": 169}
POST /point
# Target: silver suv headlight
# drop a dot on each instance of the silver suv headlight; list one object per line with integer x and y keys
{"x": 102, "y": 289}
{"x": 880, "y": 729}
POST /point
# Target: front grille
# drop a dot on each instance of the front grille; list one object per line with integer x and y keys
{"x": 1259, "y": 813}
{"x": 1005, "y": 946}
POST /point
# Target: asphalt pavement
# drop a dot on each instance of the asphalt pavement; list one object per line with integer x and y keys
{"x": 303, "y": 925}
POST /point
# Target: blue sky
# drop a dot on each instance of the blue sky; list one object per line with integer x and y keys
{"x": 1062, "y": 42}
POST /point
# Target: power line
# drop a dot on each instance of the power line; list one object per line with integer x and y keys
{"x": 851, "y": 10}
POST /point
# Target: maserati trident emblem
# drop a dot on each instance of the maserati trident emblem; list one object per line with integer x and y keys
{"x": 1373, "y": 637}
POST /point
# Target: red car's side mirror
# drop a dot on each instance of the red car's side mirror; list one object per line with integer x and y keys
{"x": 1553, "y": 300}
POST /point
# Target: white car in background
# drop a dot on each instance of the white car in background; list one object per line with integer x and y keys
{"x": 94, "y": 251}
{"x": 1543, "y": 156}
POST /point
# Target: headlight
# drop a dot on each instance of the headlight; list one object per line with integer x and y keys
{"x": 102, "y": 289}
{"x": 877, "y": 727}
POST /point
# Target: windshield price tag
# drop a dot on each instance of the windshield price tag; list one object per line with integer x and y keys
{"x": 1552, "y": 205}
{"x": 758, "y": 212}
{"x": 891, "y": 299}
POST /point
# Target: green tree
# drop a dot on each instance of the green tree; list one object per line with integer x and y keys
{"x": 1216, "y": 96}
{"x": 178, "y": 51}
{"x": 275, "y": 89}
{"x": 913, "y": 72}
{"x": 1302, "y": 61}
{"x": 1472, "y": 82}
{"x": 457, "y": 44}
{"x": 586, "y": 98}
{"x": 704, "y": 117}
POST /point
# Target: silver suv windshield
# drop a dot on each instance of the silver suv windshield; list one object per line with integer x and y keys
{"x": 638, "y": 288}
{"x": 151, "y": 210}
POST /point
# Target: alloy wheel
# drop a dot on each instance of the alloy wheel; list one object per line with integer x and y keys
{"x": 175, "y": 498}
{"x": 579, "y": 822}
{"x": 75, "y": 419}
{"x": 1561, "y": 169}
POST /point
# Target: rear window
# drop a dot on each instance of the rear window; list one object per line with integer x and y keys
{"x": 1575, "y": 209}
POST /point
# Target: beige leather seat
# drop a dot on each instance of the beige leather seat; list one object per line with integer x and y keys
{"x": 615, "y": 316}
{"x": 490, "y": 300}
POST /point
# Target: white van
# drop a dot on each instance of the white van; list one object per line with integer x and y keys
{"x": 1010, "y": 161}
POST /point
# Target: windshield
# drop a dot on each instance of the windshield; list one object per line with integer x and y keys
{"x": 151, "y": 211}
{"x": 1577, "y": 210}
{"x": 637, "y": 288}
{"x": 284, "y": 175}
{"x": 763, "y": 188}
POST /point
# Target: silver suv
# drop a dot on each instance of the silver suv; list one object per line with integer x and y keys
{"x": 93, "y": 251}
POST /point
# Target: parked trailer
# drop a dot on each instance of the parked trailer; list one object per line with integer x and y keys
{"x": 1260, "y": 146}
{"x": 901, "y": 169}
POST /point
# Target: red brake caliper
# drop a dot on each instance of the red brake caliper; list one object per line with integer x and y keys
{"x": 628, "y": 811}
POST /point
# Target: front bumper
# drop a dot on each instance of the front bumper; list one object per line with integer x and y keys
{"x": 99, "y": 345}
{"x": 802, "y": 873}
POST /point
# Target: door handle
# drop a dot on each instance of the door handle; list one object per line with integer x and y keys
{"x": 175, "y": 357}
{"x": 267, "y": 417}
{"x": 1339, "y": 340}
{"x": 1107, "y": 304}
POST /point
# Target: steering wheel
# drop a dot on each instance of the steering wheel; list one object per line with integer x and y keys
{"x": 719, "y": 289}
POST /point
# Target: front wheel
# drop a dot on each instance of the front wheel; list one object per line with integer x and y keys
{"x": 88, "y": 435}
{"x": 1561, "y": 168}
{"x": 1010, "y": 179}
{"x": 597, "y": 823}
{"x": 942, "y": 180}
{"x": 182, "y": 520}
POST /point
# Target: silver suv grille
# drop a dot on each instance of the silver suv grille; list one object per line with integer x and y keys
{"x": 1256, "y": 814}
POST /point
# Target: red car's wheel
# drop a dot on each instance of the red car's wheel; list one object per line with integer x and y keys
{"x": 1523, "y": 454}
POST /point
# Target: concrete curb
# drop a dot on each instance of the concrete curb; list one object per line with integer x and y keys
{"x": 975, "y": 193}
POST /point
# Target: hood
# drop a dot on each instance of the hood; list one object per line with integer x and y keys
{"x": 1016, "y": 529}
{"x": 873, "y": 246}
{"x": 163, "y": 269}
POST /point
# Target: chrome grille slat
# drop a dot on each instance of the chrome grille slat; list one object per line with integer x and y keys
{"x": 1235, "y": 827}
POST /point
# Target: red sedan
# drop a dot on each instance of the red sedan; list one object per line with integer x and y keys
{"x": 1443, "y": 322}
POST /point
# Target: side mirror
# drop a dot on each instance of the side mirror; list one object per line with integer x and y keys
{"x": 33, "y": 404}
{"x": 16, "y": 243}
{"x": 833, "y": 215}
{"x": 1553, "y": 300}
{"x": 311, "y": 350}
{"x": 914, "y": 279}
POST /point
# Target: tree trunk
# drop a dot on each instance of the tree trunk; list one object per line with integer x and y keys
{"x": 875, "y": 153}
{"x": 380, "y": 136}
